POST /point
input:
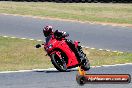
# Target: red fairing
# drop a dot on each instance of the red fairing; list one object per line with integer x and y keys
{"x": 56, "y": 46}
{"x": 76, "y": 43}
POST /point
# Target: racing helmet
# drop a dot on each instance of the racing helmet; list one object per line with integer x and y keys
{"x": 47, "y": 30}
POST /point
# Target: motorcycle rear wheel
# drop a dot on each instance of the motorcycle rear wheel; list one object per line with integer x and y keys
{"x": 85, "y": 65}
{"x": 58, "y": 63}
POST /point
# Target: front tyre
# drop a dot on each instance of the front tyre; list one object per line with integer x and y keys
{"x": 58, "y": 63}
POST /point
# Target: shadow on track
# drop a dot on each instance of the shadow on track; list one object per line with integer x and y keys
{"x": 54, "y": 71}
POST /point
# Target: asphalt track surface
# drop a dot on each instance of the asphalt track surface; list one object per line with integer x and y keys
{"x": 91, "y": 35}
{"x": 55, "y": 79}
{"x": 98, "y": 36}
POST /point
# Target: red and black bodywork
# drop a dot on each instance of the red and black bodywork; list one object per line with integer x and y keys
{"x": 62, "y": 57}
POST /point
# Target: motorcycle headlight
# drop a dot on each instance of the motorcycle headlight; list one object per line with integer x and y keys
{"x": 50, "y": 46}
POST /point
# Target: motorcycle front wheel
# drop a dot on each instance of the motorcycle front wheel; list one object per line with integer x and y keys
{"x": 58, "y": 63}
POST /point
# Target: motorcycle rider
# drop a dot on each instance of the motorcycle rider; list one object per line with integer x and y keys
{"x": 48, "y": 32}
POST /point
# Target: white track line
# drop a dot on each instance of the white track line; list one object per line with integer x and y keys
{"x": 31, "y": 39}
{"x": 13, "y": 37}
{"x": 23, "y": 38}
{"x": 16, "y": 71}
{"x": 54, "y": 69}
{"x": 117, "y": 65}
{"x": 108, "y": 50}
{"x": 92, "y": 48}
{"x": 39, "y": 40}
{"x": 5, "y": 36}
{"x": 115, "y": 51}
{"x": 86, "y": 47}
{"x": 82, "y": 46}
{"x": 121, "y": 52}
{"x": 100, "y": 49}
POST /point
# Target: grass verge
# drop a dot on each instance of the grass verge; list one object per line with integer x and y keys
{"x": 93, "y": 12}
{"x": 18, "y": 54}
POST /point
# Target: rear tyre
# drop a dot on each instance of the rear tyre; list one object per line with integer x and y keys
{"x": 58, "y": 63}
{"x": 85, "y": 65}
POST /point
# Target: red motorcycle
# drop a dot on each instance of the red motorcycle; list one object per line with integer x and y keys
{"x": 62, "y": 57}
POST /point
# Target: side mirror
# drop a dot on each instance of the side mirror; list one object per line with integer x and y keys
{"x": 38, "y": 46}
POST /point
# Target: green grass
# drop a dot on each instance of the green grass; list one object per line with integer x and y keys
{"x": 18, "y": 54}
{"x": 98, "y": 58}
{"x": 93, "y": 12}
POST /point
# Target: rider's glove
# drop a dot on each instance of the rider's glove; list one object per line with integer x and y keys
{"x": 65, "y": 34}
